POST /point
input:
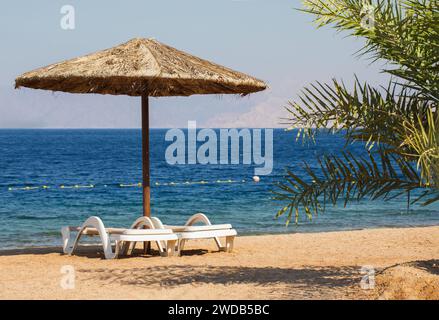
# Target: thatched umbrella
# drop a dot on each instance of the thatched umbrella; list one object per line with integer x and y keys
{"x": 141, "y": 67}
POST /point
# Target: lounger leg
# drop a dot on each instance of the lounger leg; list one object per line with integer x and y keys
{"x": 65, "y": 232}
{"x": 229, "y": 243}
{"x": 157, "y": 224}
{"x": 170, "y": 249}
{"x": 218, "y": 244}
{"x": 130, "y": 247}
{"x": 181, "y": 245}
{"x": 161, "y": 245}
{"x": 147, "y": 247}
{"x": 118, "y": 247}
{"x": 124, "y": 248}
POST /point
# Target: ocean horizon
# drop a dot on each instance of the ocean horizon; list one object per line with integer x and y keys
{"x": 54, "y": 177}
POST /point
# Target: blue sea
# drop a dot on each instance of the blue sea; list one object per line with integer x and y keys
{"x": 35, "y": 164}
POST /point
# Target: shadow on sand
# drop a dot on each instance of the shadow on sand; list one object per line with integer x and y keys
{"x": 31, "y": 251}
{"x": 328, "y": 282}
{"x": 176, "y": 275}
{"x": 92, "y": 251}
{"x": 431, "y": 266}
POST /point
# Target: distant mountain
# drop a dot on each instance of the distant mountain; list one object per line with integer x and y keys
{"x": 25, "y": 108}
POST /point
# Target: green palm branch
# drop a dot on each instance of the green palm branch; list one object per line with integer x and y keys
{"x": 404, "y": 33}
{"x": 422, "y": 139}
{"x": 351, "y": 178}
{"x": 399, "y": 123}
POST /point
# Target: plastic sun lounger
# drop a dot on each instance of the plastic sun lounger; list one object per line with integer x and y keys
{"x": 94, "y": 226}
{"x": 206, "y": 231}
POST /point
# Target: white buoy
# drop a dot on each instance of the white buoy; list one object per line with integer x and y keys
{"x": 256, "y": 179}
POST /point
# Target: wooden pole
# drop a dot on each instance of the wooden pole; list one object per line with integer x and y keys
{"x": 145, "y": 157}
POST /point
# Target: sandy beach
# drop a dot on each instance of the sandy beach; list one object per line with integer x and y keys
{"x": 290, "y": 266}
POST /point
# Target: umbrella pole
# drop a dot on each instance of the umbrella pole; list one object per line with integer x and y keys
{"x": 145, "y": 165}
{"x": 145, "y": 156}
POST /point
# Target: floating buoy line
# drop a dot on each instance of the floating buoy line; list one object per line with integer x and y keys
{"x": 123, "y": 185}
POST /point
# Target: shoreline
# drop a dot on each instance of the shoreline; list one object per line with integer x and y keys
{"x": 2, "y": 250}
{"x": 323, "y": 265}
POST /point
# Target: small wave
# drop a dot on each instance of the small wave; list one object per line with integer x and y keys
{"x": 28, "y": 217}
{"x": 48, "y": 233}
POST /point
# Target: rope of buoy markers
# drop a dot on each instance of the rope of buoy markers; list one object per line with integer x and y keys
{"x": 48, "y": 187}
{"x": 130, "y": 185}
{"x": 76, "y": 186}
{"x": 125, "y": 185}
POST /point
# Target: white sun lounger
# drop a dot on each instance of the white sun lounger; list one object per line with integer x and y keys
{"x": 208, "y": 230}
{"x": 94, "y": 226}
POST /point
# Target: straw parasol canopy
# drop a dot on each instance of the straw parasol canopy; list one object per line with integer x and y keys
{"x": 141, "y": 67}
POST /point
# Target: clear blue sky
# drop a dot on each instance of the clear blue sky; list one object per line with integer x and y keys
{"x": 267, "y": 39}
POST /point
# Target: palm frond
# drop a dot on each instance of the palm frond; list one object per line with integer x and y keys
{"x": 364, "y": 114}
{"x": 349, "y": 177}
{"x": 422, "y": 137}
{"x": 400, "y": 121}
{"x": 405, "y": 33}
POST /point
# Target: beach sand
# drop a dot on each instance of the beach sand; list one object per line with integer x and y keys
{"x": 289, "y": 266}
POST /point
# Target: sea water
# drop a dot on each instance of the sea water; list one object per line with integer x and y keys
{"x": 51, "y": 178}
